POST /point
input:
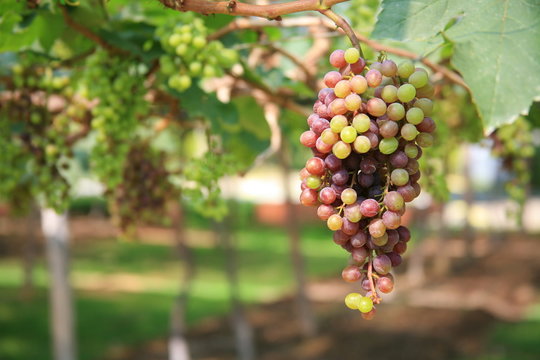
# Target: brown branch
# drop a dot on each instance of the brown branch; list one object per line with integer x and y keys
{"x": 311, "y": 81}
{"x": 89, "y": 34}
{"x": 243, "y": 24}
{"x": 233, "y": 7}
{"x": 345, "y": 27}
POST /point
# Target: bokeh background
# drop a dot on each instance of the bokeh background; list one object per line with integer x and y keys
{"x": 228, "y": 264}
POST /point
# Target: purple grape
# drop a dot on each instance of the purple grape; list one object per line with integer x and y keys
{"x": 349, "y": 227}
{"x": 395, "y": 259}
{"x": 340, "y": 237}
{"x": 333, "y": 163}
{"x": 340, "y": 177}
{"x": 398, "y": 159}
{"x": 359, "y": 254}
{"x": 391, "y": 219}
{"x": 368, "y": 165}
{"x": 365, "y": 180}
{"x": 359, "y": 239}
{"x": 404, "y": 234}
{"x": 382, "y": 264}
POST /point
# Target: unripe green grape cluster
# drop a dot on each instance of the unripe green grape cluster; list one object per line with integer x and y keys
{"x": 189, "y": 55}
{"x": 513, "y": 143}
{"x": 367, "y": 132}
{"x": 34, "y": 150}
{"x": 118, "y": 87}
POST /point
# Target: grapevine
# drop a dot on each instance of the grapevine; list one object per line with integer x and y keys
{"x": 367, "y": 132}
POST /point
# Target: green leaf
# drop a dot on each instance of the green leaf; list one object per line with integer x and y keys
{"x": 496, "y": 47}
{"x": 251, "y": 117}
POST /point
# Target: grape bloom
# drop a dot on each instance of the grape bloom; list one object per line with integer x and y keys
{"x": 366, "y": 133}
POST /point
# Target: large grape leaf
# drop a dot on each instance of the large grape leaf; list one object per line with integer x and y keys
{"x": 496, "y": 47}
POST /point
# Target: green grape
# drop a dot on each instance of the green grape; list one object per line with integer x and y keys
{"x": 389, "y": 94}
{"x": 352, "y": 300}
{"x": 399, "y": 177}
{"x": 365, "y": 304}
{"x": 352, "y": 55}
{"x": 361, "y": 123}
{"x": 341, "y": 149}
{"x": 388, "y": 145}
{"x": 411, "y": 150}
{"x": 175, "y": 40}
{"x": 409, "y": 132}
{"x": 348, "y": 196}
{"x": 348, "y": 134}
{"x": 415, "y": 115}
{"x": 418, "y": 79}
{"x": 425, "y": 104}
{"x": 313, "y": 182}
{"x": 405, "y": 69}
{"x": 362, "y": 144}
{"x": 424, "y": 140}
{"x": 406, "y": 93}
{"x": 395, "y": 111}
{"x": 338, "y": 122}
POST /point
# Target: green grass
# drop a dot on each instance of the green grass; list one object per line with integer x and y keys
{"x": 109, "y": 319}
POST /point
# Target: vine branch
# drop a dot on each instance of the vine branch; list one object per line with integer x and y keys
{"x": 271, "y": 11}
{"x": 345, "y": 27}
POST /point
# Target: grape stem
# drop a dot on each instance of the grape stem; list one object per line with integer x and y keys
{"x": 374, "y": 296}
{"x": 343, "y": 25}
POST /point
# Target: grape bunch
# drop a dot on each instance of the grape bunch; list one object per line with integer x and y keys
{"x": 190, "y": 54}
{"x": 145, "y": 188}
{"x": 118, "y": 86}
{"x": 367, "y": 131}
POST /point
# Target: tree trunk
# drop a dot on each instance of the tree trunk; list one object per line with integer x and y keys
{"x": 29, "y": 251}
{"x": 304, "y": 309}
{"x": 178, "y": 345}
{"x": 55, "y": 230}
{"x": 245, "y": 344}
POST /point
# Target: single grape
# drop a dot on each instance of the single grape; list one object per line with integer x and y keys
{"x": 365, "y": 180}
{"x": 418, "y": 79}
{"x": 352, "y": 212}
{"x": 391, "y": 219}
{"x": 331, "y": 79}
{"x": 376, "y": 107}
{"x": 348, "y": 196}
{"x": 359, "y": 254}
{"x": 334, "y": 222}
{"x": 374, "y": 78}
{"x": 362, "y": 144}
{"x": 399, "y": 177}
{"x": 351, "y": 274}
{"x": 405, "y": 69}
{"x": 369, "y": 208}
{"x": 338, "y": 107}
{"x": 353, "y": 102}
{"x": 340, "y": 238}
{"x": 341, "y": 149}
{"x": 394, "y": 201}
{"x": 427, "y": 125}
{"x": 361, "y": 123}
{"x": 368, "y": 165}
{"x": 415, "y": 115}
{"x": 425, "y": 104}
{"x": 369, "y": 315}
{"x": 308, "y": 197}
{"x": 352, "y": 300}
{"x": 388, "y": 129}
{"x": 411, "y": 150}
{"x": 358, "y": 84}
{"x": 351, "y": 55}
{"x": 412, "y": 167}
{"x": 385, "y": 284}
{"x": 398, "y": 159}
{"x": 304, "y": 173}
{"x": 316, "y": 166}
{"x": 308, "y": 138}
{"x": 324, "y": 211}
{"x": 426, "y": 91}
{"x": 407, "y": 192}
{"x": 342, "y": 88}
{"x": 313, "y": 182}
{"x": 395, "y": 111}
{"x": 332, "y": 162}
{"x": 406, "y": 93}
{"x": 348, "y": 134}
{"x": 327, "y": 195}
{"x": 349, "y": 227}
{"x": 358, "y": 66}
{"x": 359, "y": 239}
{"x": 409, "y": 132}
{"x": 382, "y": 264}
{"x": 373, "y": 138}
{"x": 323, "y": 93}
{"x": 340, "y": 177}
{"x": 376, "y": 228}
{"x": 319, "y": 125}
{"x": 337, "y": 59}
{"x": 389, "y": 94}
{"x": 329, "y": 137}
{"x": 424, "y": 139}
{"x": 389, "y": 68}
{"x": 312, "y": 118}
{"x": 404, "y": 234}
{"x": 337, "y": 123}
{"x": 400, "y": 248}
{"x": 365, "y": 304}
{"x": 322, "y": 147}
{"x": 388, "y": 145}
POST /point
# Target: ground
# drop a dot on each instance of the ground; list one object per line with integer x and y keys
{"x": 483, "y": 309}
